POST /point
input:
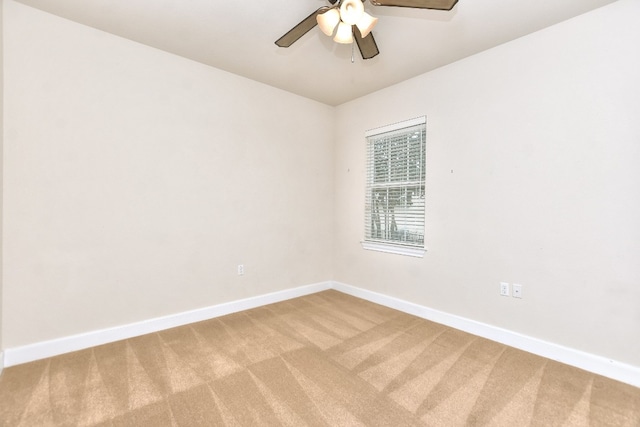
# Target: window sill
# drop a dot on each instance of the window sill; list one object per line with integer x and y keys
{"x": 394, "y": 249}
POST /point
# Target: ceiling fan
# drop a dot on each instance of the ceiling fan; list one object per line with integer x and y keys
{"x": 352, "y": 23}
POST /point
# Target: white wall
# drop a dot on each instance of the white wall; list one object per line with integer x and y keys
{"x": 532, "y": 177}
{"x": 136, "y": 181}
{"x": 133, "y": 181}
{"x": 1, "y": 168}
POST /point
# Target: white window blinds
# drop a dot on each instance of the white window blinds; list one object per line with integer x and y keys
{"x": 395, "y": 191}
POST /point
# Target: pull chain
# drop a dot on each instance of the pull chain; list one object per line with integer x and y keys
{"x": 352, "y": 50}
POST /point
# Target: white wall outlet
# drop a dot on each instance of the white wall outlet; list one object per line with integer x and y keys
{"x": 240, "y": 269}
{"x": 504, "y": 289}
{"x": 517, "y": 290}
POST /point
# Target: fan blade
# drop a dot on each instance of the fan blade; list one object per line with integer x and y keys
{"x": 367, "y": 45}
{"x": 299, "y": 30}
{"x": 418, "y": 4}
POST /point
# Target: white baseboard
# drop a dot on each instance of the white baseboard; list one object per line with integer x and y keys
{"x": 1, "y": 362}
{"x": 593, "y": 363}
{"x": 41, "y": 350}
{"x": 589, "y": 362}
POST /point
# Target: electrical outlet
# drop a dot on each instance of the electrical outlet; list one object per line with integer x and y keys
{"x": 504, "y": 289}
{"x": 240, "y": 269}
{"x": 517, "y": 290}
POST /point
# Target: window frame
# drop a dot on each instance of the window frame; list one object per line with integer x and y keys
{"x": 389, "y": 245}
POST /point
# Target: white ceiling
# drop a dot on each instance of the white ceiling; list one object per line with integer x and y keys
{"x": 238, "y": 36}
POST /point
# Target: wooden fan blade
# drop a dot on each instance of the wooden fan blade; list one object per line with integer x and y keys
{"x": 299, "y": 30}
{"x": 418, "y": 4}
{"x": 367, "y": 45}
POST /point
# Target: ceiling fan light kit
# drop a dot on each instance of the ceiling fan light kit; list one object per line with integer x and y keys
{"x": 353, "y": 23}
{"x": 344, "y": 35}
{"x": 328, "y": 21}
{"x": 366, "y": 24}
{"x": 351, "y": 11}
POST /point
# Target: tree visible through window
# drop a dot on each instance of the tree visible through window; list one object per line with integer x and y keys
{"x": 394, "y": 203}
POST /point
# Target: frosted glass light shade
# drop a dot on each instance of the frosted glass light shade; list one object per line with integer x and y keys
{"x": 351, "y": 11}
{"x": 344, "y": 34}
{"x": 366, "y": 24}
{"x": 328, "y": 21}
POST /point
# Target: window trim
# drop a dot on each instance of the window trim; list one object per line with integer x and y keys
{"x": 390, "y": 247}
{"x": 422, "y": 120}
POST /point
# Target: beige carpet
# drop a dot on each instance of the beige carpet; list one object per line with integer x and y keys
{"x": 326, "y": 359}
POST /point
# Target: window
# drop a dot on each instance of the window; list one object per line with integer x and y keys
{"x": 394, "y": 200}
